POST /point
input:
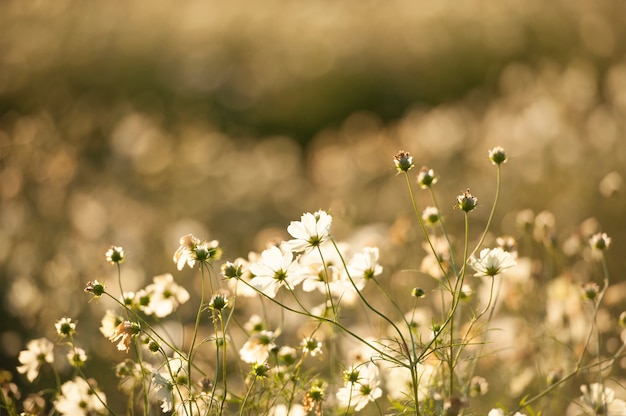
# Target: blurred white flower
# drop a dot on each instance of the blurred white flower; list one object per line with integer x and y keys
{"x": 310, "y": 232}
{"x": 282, "y": 410}
{"x": 77, "y": 357}
{"x": 311, "y": 346}
{"x": 78, "y": 398}
{"x": 492, "y": 262}
{"x": 601, "y": 400}
{"x": 115, "y": 255}
{"x": 164, "y": 296}
{"x": 364, "y": 266}
{"x": 38, "y": 351}
{"x": 361, "y": 386}
{"x": 275, "y": 269}
{"x": 65, "y": 327}
{"x": 257, "y": 348}
{"x": 109, "y": 322}
{"x": 163, "y": 391}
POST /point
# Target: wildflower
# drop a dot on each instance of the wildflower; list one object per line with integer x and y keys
{"x": 430, "y": 215}
{"x": 507, "y": 243}
{"x": 590, "y": 290}
{"x": 418, "y": 292}
{"x": 426, "y": 177}
{"x": 497, "y": 155}
{"x": 260, "y": 370}
{"x": 314, "y": 397}
{"x": 452, "y": 405}
{"x": 601, "y": 400}
{"x": 115, "y": 255}
{"x": 193, "y": 249}
{"x": 311, "y": 346}
{"x": 466, "y": 202}
{"x": 275, "y": 269}
{"x": 361, "y": 386}
{"x": 403, "y": 161}
{"x": 287, "y": 355}
{"x": 109, "y": 323}
{"x": 65, "y": 327}
{"x": 95, "y": 287}
{"x": 282, "y": 410}
{"x": 258, "y": 347}
{"x": 163, "y": 296}
{"x": 600, "y": 241}
{"x": 478, "y": 386}
{"x": 218, "y": 302}
{"x": 310, "y": 232}
{"x": 123, "y": 334}
{"x": 254, "y": 324}
{"x": 239, "y": 276}
{"x": 231, "y": 270}
{"x": 78, "y": 398}
{"x": 492, "y": 262}
{"x": 37, "y": 352}
{"x": 364, "y": 266}
{"x": 163, "y": 391}
{"x": 131, "y": 374}
{"x": 77, "y": 357}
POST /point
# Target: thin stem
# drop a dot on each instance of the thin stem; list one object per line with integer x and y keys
{"x": 491, "y": 214}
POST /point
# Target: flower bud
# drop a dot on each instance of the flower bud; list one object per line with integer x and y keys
{"x": 403, "y": 161}
{"x": 466, "y": 202}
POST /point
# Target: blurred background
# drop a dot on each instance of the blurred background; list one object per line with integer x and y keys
{"x": 134, "y": 123}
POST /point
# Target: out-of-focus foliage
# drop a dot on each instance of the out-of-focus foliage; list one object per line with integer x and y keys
{"x": 135, "y": 123}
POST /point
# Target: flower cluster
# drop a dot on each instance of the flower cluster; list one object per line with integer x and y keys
{"x": 411, "y": 340}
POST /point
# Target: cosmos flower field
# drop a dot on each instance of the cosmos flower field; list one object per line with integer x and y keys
{"x": 312, "y": 208}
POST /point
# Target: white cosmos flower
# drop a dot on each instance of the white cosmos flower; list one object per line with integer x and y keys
{"x": 361, "y": 386}
{"x": 77, "y": 398}
{"x": 38, "y": 351}
{"x": 492, "y": 262}
{"x": 311, "y": 231}
{"x": 599, "y": 399}
{"x": 164, "y": 296}
{"x": 273, "y": 270}
{"x": 257, "y": 348}
{"x": 364, "y": 265}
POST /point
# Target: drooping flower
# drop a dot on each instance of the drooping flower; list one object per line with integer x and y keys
{"x": 78, "y": 398}
{"x": 37, "y": 352}
{"x": 123, "y": 334}
{"x": 361, "y": 386}
{"x": 310, "y": 232}
{"x": 492, "y": 262}
{"x": 275, "y": 269}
